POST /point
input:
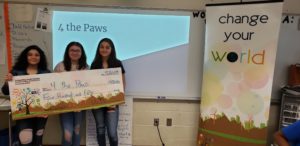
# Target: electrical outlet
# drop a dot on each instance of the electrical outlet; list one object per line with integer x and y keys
{"x": 156, "y": 121}
{"x": 169, "y": 122}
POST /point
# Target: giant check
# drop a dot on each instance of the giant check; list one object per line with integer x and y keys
{"x": 53, "y": 93}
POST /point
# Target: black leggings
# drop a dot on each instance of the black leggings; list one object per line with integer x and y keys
{"x": 34, "y": 124}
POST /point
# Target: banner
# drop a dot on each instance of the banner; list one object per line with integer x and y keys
{"x": 240, "y": 51}
{"x": 53, "y": 93}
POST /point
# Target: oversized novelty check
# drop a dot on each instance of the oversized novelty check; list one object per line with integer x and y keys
{"x": 44, "y": 94}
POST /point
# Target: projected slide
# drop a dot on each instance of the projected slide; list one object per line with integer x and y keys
{"x": 153, "y": 48}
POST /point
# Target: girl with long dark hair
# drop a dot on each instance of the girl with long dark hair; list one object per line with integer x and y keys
{"x": 32, "y": 60}
{"x": 74, "y": 59}
{"x": 107, "y": 117}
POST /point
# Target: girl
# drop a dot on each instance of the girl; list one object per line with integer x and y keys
{"x": 31, "y": 61}
{"x": 74, "y": 59}
{"x": 107, "y": 117}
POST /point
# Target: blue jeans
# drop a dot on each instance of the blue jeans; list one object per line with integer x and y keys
{"x": 70, "y": 125}
{"x": 107, "y": 119}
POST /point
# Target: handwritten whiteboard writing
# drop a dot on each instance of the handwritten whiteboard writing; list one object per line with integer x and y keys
{"x": 124, "y": 126}
{"x": 53, "y": 93}
{"x": 22, "y": 32}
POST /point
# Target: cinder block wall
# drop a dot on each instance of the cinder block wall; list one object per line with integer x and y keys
{"x": 183, "y": 132}
{"x": 184, "y": 115}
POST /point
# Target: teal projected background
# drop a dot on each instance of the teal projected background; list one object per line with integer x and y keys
{"x": 159, "y": 50}
{"x": 133, "y": 34}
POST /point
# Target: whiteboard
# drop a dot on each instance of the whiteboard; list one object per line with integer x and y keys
{"x": 3, "y": 66}
{"x": 22, "y": 33}
{"x": 171, "y": 73}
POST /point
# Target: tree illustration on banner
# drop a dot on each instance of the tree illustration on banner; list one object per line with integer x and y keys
{"x": 25, "y": 98}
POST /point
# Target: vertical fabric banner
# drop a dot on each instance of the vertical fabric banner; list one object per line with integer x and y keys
{"x": 240, "y": 51}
